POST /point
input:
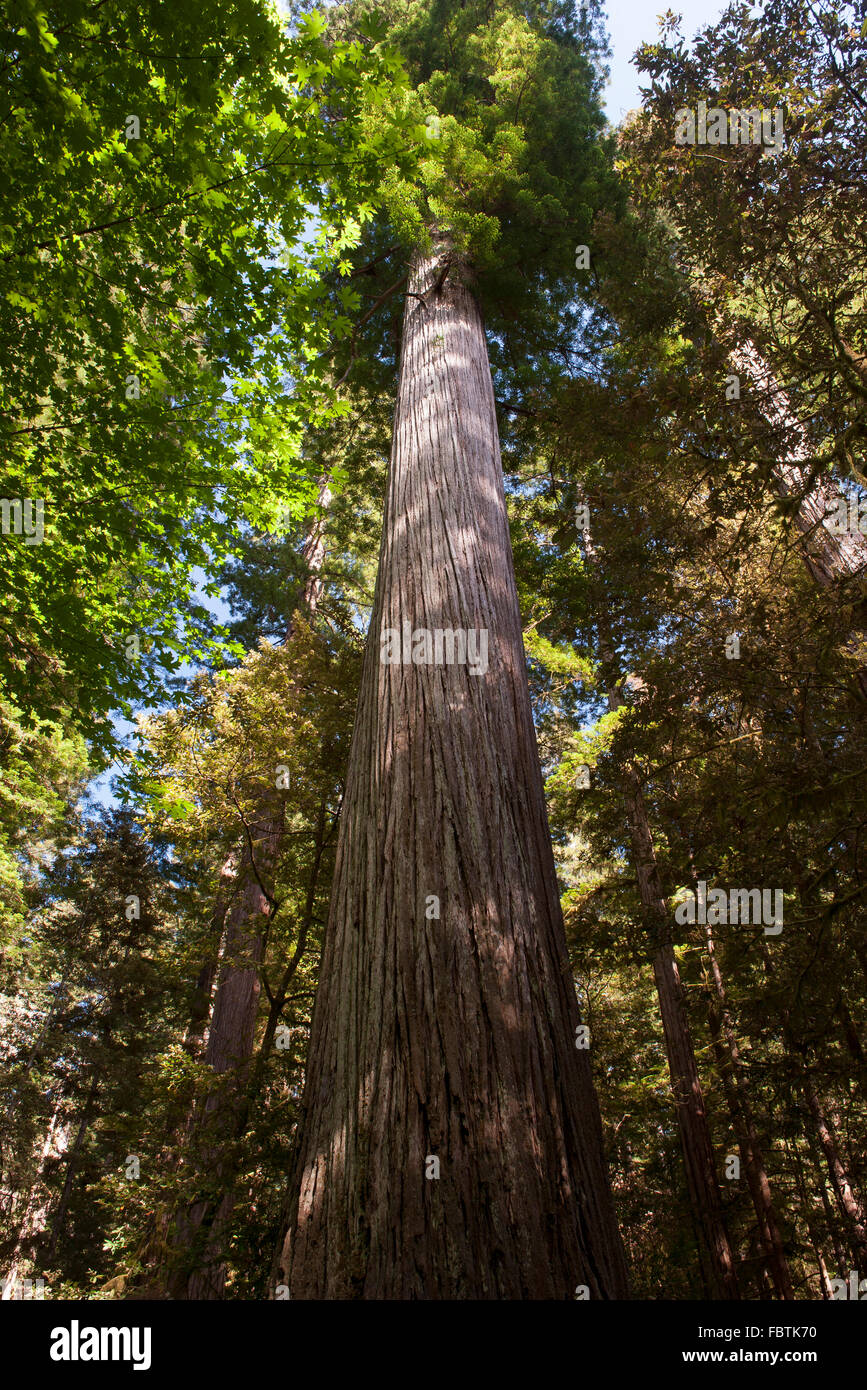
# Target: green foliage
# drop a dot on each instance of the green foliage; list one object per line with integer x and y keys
{"x": 163, "y": 323}
{"x": 248, "y": 305}
{"x": 43, "y": 769}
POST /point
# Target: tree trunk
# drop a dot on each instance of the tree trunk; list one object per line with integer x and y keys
{"x": 729, "y": 1059}
{"x": 71, "y": 1167}
{"x": 830, "y": 557}
{"x": 850, "y": 1208}
{"x": 230, "y": 1034}
{"x": 451, "y": 1146}
{"x": 212, "y": 1128}
{"x": 692, "y": 1119}
{"x": 196, "y": 1037}
{"x": 696, "y": 1142}
{"x": 715, "y": 1253}
{"x": 814, "y": 1235}
{"x": 248, "y": 896}
{"x": 34, "y": 1218}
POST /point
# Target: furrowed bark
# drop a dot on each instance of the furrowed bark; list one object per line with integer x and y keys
{"x": 448, "y": 1037}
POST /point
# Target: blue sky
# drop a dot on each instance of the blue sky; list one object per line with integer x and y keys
{"x": 633, "y": 22}
{"x": 630, "y": 23}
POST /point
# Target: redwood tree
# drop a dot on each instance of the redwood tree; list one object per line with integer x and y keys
{"x": 451, "y": 1145}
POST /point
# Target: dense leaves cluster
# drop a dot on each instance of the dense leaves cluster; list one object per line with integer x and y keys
{"x": 232, "y": 258}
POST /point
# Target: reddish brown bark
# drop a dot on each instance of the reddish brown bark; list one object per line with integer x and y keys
{"x": 213, "y": 1125}
{"x": 692, "y": 1118}
{"x": 451, "y": 1037}
{"x": 850, "y": 1208}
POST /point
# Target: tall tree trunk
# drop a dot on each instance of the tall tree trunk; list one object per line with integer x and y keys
{"x": 196, "y": 1037}
{"x": 814, "y": 1235}
{"x": 715, "y": 1251}
{"x": 37, "y": 1206}
{"x": 748, "y": 1140}
{"x": 240, "y": 867}
{"x": 698, "y": 1154}
{"x": 212, "y": 1129}
{"x": 230, "y": 1032}
{"x": 850, "y": 1208}
{"x": 853, "y": 1043}
{"x": 71, "y": 1166}
{"x": 830, "y": 557}
{"x": 313, "y": 555}
{"x": 451, "y": 1145}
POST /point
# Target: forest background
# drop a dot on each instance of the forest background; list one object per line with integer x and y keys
{"x": 212, "y": 229}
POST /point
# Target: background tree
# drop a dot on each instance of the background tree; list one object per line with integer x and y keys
{"x": 161, "y": 323}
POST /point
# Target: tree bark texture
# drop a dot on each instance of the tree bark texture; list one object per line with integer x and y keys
{"x": 831, "y": 557}
{"x": 447, "y": 1042}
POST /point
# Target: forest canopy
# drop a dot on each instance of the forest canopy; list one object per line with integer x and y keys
{"x": 336, "y": 349}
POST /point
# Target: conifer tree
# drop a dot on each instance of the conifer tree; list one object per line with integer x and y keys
{"x": 451, "y": 1144}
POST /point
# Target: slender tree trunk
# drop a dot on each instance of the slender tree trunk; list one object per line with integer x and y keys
{"x": 748, "y": 1140}
{"x": 451, "y": 1145}
{"x": 313, "y": 555}
{"x": 850, "y": 1208}
{"x": 212, "y": 1129}
{"x": 853, "y": 1043}
{"x": 240, "y": 865}
{"x": 832, "y": 1219}
{"x": 814, "y": 1236}
{"x": 71, "y": 1166}
{"x": 196, "y": 1037}
{"x": 692, "y": 1118}
{"x": 203, "y": 1229}
{"x": 829, "y": 556}
{"x": 696, "y": 1143}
